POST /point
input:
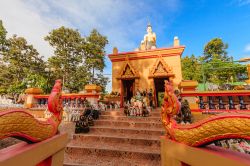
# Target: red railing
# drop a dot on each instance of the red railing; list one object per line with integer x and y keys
{"x": 220, "y": 101}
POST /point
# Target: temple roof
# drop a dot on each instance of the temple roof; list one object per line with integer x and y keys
{"x": 154, "y": 53}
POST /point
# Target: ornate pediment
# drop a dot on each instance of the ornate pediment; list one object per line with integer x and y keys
{"x": 128, "y": 71}
{"x": 161, "y": 69}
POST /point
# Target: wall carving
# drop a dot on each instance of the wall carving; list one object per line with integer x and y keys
{"x": 161, "y": 69}
{"x": 128, "y": 71}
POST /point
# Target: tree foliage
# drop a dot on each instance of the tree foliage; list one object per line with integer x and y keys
{"x": 218, "y": 67}
{"x": 74, "y": 59}
{"x": 18, "y": 60}
{"x": 94, "y": 50}
{"x": 22, "y": 58}
{"x": 220, "y": 72}
{"x": 3, "y": 40}
{"x": 216, "y": 49}
{"x": 191, "y": 68}
{"x": 215, "y": 66}
{"x": 95, "y": 54}
{"x": 102, "y": 81}
{"x": 67, "y": 55}
{"x": 75, "y": 56}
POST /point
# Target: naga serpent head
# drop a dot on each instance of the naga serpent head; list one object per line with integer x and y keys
{"x": 171, "y": 104}
{"x": 55, "y": 100}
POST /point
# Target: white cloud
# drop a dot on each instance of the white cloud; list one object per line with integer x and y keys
{"x": 247, "y": 48}
{"x": 19, "y": 19}
{"x": 243, "y": 2}
{"x": 123, "y": 22}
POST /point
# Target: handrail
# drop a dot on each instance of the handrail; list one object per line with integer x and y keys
{"x": 49, "y": 152}
{"x": 177, "y": 154}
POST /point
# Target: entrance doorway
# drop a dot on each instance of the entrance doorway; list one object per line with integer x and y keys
{"x": 159, "y": 84}
{"x": 128, "y": 89}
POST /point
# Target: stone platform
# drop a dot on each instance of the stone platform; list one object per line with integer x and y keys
{"x": 116, "y": 139}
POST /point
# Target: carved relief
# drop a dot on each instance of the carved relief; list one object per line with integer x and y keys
{"x": 160, "y": 68}
{"x": 128, "y": 71}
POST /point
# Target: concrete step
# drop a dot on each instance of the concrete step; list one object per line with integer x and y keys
{"x": 116, "y": 139}
{"x": 104, "y": 156}
{"x": 131, "y": 118}
{"x": 125, "y": 131}
{"x": 128, "y": 124}
{"x": 152, "y": 143}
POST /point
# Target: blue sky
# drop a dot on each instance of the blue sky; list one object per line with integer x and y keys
{"x": 124, "y": 22}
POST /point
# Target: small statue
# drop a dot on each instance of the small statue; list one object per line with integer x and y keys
{"x": 138, "y": 96}
{"x": 149, "y": 41}
{"x": 82, "y": 126}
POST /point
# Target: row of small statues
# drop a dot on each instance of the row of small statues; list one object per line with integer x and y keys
{"x": 140, "y": 104}
{"x": 7, "y": 102}
{"x": 12, "y": 99}
{"x": 215, "y": 87}
{"x": 137, "y": 110}
{"x": 109, "y": 105}
{"x": 72, "y": 114}
{"x": 239, "y": 145}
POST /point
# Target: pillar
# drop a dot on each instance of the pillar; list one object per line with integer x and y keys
{"x": 30, "y": 100}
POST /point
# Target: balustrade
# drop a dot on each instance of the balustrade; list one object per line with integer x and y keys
{"x": 217, "y": 103}
{"x": 210, "y": 102}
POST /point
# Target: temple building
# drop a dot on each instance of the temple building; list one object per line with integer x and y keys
{"x": 146, "y": 68}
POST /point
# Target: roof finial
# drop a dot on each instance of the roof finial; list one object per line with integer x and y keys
{"x": 149, "y": 25}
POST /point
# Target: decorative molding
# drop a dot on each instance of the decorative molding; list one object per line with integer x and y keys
{"x": 161, "y": 69}
{"x": 128, "y": 71}
{"x": 137, "y": 55}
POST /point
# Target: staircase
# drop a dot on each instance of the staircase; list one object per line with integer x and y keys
{"x": 116, "y": 139}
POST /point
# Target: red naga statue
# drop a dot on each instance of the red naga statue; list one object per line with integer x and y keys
{"x": 22, "y": 125}
{"x": 223, "y": 126}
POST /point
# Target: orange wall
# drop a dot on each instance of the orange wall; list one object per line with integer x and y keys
{"x": 144, "y": 65}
